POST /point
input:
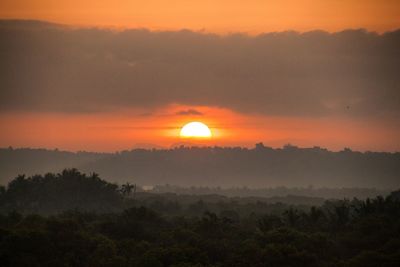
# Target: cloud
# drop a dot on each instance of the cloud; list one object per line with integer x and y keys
{"x": 62, "y": 69}
{"x": 189, "y": 112}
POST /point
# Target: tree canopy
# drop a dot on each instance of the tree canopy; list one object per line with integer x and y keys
{"x": 153, "y": 230}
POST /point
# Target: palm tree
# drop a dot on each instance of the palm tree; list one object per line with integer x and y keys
{"x": 127, "y": 188}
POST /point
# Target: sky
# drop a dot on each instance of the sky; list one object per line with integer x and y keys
{"x": 114, "y": 75}
{"x": 213, "y": 15}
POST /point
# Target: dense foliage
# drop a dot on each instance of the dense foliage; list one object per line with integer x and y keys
{"x": 73, "y": 190}
{"x": 51, "y": 193}
{"x": 165, "y": 231}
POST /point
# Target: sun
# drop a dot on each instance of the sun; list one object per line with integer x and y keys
{"x": 195, "y": 129}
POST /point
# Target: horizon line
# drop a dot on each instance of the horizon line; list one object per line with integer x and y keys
{"x": 153, "y": 147}
{"x": 118, "y": 28}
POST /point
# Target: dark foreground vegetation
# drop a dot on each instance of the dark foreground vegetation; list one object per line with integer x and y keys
{"x": 73, "y": 219}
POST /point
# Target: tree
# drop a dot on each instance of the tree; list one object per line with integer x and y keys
{"x": 127, "y": 188}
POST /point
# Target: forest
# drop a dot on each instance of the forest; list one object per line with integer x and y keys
{"x": 208, "y": 133}
{"x": 257, "y": 167}
{"x": 76, "y": 219}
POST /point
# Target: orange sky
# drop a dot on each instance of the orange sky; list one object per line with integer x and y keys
{"x": 213, "y": 15}
{"x": 118, "y": 130}
{"x": 129, "y": 129}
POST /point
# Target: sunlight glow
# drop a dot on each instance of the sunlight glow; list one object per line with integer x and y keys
{"x": 195, "y": 129}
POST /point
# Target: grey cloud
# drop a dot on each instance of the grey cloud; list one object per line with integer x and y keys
{"x": 62, "y": 69}
{"x": 189, "y": 112}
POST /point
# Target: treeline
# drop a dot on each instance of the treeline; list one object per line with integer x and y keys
{"x": 259, "y": 167}
{"x": 171, "y": 230}
{"x": 279, "y": 191}
{"x": 73, "y": 190}
{"x": 52, "y": 193}
{"x": 33, "y": 161}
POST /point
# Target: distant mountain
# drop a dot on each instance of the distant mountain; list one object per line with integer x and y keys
{"x": 216, "y": 166}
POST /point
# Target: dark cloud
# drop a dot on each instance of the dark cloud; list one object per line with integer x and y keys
{"x": 189, "y": 112}
{"x": 63, "y": 69}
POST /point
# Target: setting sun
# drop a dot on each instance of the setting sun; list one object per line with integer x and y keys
{"x": 195, "y": 129}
